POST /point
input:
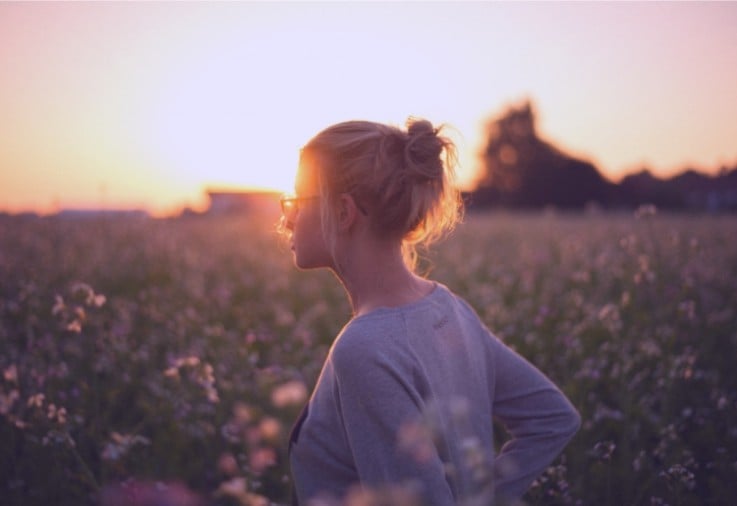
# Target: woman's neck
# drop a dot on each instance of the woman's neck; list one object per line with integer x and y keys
{"x": 376, "y": 276}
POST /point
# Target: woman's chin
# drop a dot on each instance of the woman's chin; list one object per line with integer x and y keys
{"x": 306, "y": 264}
{"x": 299, "y": 263}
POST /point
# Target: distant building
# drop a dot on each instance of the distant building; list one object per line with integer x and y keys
{"x": 91, "y": 214}
{"x": 243, "y": 202}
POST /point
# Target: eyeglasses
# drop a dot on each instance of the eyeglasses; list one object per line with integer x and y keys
{"x": 290, "y": 205}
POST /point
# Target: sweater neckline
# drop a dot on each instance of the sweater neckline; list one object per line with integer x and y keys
{"x": 382, "y": 311}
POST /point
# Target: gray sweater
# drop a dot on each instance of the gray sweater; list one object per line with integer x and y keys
{"x": 406, "y": 397}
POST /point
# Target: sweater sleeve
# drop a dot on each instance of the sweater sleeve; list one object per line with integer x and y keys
{"x": 537, "y": 415}
{"x": 381, "y": 412}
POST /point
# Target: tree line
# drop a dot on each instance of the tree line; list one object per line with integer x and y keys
{"x": 522, "y": 171}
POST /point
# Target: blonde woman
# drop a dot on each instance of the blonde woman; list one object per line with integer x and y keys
{"x": 408, "y": 392}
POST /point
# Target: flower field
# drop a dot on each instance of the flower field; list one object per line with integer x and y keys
{"x": 143, "y": 360}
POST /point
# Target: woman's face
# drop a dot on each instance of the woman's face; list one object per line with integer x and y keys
{"x": 307, "y": 242}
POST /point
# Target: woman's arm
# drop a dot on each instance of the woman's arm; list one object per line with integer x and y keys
{"x": 382, "y": 418}
{"x": 537, "y": 415}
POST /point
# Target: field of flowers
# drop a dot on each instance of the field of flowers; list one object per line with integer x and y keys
{"x": 143, "y": 360}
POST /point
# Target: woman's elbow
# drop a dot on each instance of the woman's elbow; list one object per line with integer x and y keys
{"x": 572, "y": 422}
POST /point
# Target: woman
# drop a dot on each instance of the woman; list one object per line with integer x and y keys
{"x": 406, "y": 396}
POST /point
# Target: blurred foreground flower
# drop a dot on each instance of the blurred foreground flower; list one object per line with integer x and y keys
{"x": 289, "y": 394}
{"x": 10, "y": 374}
{"x": 261, "y": 458}
{"x": 270, "y": 429}
{"x": 148, "y": 494}
{"x": 404, "y": 495}
{"x": 227, "y": 464}
{"x": 237, "y": 488}
{"x": 416, "y": 439}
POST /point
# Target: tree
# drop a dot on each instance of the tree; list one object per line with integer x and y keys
{"x": 522, "y": 170}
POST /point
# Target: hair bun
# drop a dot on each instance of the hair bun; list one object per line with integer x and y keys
{"x": 419, "y": 126}
{"x": 423, "y": 150}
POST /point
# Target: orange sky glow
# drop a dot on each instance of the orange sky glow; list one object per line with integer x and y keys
{"x": 144, "y": 105}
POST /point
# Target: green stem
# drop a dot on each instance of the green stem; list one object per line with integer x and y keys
{"x": 86, "y": 469}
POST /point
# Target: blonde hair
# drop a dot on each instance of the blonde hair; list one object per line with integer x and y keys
{"x": 403, "y": 179}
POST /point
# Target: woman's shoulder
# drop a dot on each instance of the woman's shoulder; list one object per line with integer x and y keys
{"x": 364, "y": 336}
{"x": 356, "y": 351}
{"x": 369, "y": 341}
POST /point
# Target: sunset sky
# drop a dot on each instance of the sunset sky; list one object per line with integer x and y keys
{"x": 143, "y": 105}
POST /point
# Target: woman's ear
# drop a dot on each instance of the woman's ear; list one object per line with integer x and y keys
{"x": 347, "y": 212}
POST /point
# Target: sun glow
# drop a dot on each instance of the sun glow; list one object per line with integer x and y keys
{"x": 219, "y": 121}
{"x": 149, "y": 104}
{"x": 208, "y": 126}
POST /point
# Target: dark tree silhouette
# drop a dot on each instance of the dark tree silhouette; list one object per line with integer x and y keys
{"x": 521, "y": 170}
